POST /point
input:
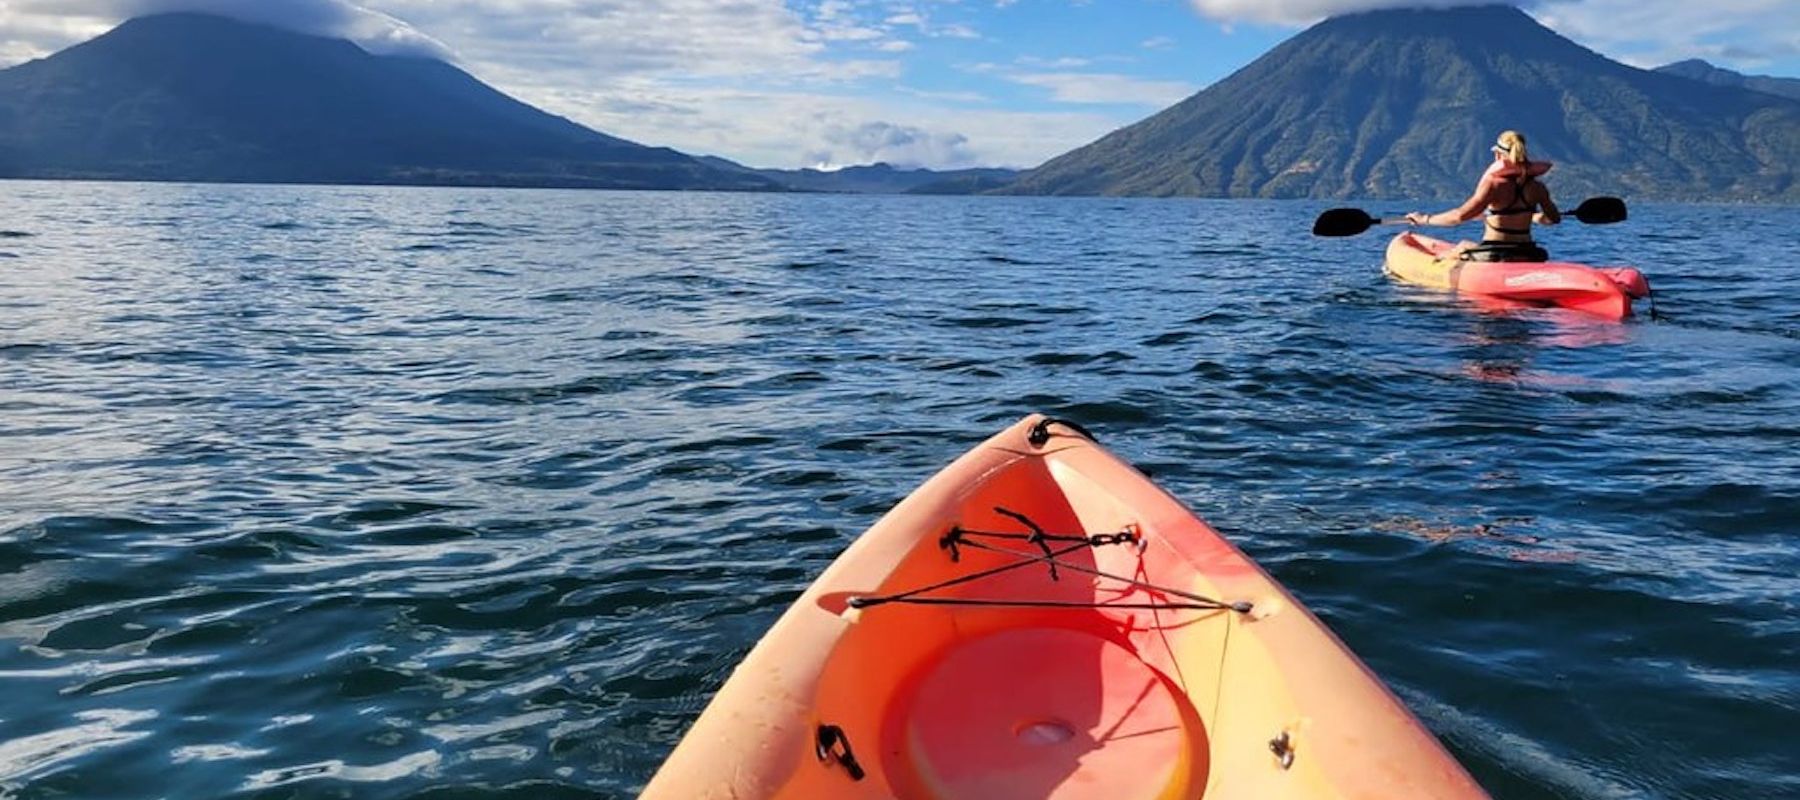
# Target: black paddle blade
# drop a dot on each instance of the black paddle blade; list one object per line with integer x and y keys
{"x": 1344, "y": 222}
{"x": 1600, "y": 210}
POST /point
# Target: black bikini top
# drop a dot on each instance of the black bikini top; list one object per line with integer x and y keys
{"x": 1519, "y": 205}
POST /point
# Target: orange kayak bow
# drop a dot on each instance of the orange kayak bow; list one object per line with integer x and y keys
{"x": 1039, "y": 620}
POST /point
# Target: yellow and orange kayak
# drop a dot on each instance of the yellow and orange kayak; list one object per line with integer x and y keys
{"x": 1039, "y": 620}
{"x": 1604, "y": 292}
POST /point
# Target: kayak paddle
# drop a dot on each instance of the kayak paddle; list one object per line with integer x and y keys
{"x": 1352, "y": 221}
{"x": 1349, "y": 222}
{"x": 1600, "y": 211}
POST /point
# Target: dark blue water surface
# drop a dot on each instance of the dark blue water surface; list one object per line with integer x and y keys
{"x": 454, "y": 493}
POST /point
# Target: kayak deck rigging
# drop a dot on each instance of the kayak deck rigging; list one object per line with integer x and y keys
{"x": 959, "y": 537}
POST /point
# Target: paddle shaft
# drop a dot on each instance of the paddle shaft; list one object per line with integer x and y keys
{"x": 1352, "y": 221}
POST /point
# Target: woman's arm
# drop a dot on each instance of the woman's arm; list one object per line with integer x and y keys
{"x": 1550, "y": 215}
{"x": 1469, "y": 210}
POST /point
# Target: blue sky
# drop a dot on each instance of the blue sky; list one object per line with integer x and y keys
{"x": 941, "y": 83}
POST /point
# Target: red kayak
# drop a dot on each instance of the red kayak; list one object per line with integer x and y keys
{"x": 1602, "y": 292}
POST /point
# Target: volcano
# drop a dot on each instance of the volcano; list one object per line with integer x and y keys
{"x": 193, "y": 97}
{"x": 1405, "y": 103}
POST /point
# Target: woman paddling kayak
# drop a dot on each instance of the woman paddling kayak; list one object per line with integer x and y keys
{"x": 1512, "y": 197}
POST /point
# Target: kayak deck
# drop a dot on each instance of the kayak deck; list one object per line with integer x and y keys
{"x": 1041, "y": 621}
{"x": 1601, "y": 292}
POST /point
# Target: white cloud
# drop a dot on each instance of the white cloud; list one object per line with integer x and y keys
{"x": 26, "y": 34}
{"x": 1303, "y": 12}
{"x": 1158, "y": 43}
{"x": 900, "y": 145}
{"x": 1064, "y": 62}
{"x": 375, "y": 31}
{"x": 743, "y": 38}
{"x": 914, "y": 18}
{"x": 850, "y": 33}
{"x": 584, "y": 41}
{"x": 1107, "y": 88}
{"x": 1642, "y": 32}
{"x": 954, "y": 97}
{"x": 758, "y": 81}
{"x": 772, "y": 128}
{"x": 1745, "y": 33}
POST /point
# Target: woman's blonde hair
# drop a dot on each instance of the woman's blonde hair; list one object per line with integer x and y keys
{"x": 1512, "y": 146}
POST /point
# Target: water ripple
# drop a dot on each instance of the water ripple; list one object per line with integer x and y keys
{"x": 420, "y": 493}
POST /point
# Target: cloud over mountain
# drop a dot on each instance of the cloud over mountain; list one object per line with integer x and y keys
{"x": 1641, "y": 32}
{"x": 376, "y": 32}
{"x": 1300, "y": 12}
{"x": 901, "y": 145}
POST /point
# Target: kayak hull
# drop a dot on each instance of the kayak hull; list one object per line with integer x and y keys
{"x": 1601, "y": 292}
{"x": 1017, "y": 686}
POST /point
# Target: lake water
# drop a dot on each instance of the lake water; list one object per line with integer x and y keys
{"x": 373, "y": 492}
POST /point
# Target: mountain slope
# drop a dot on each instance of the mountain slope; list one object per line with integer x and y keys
{"x": 1702, "y": 71}
{"x": 196, "y": 97}
{"x": 1406, "y": 103}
